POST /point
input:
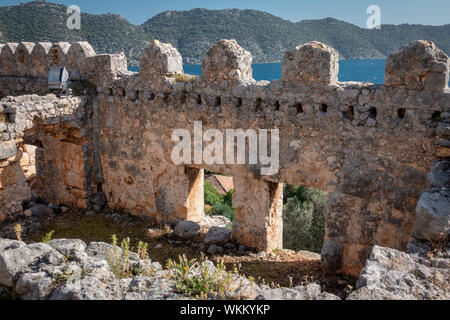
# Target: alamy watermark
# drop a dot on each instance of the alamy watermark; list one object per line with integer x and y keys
{"x": 74, "y": 17}
{"x": 374, "y": 19}
{"x": 208, "y": 147}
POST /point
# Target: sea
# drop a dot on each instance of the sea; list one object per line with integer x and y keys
{"x": 371, "y": 70}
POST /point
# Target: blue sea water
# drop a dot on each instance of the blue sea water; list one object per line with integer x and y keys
{"x": 349, "y": 70}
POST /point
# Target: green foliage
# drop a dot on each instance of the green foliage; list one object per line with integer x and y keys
{"x": 304, "y": 218}
{"x": 222, "y": 205}
{"x": 223, "y": 209}
{"x": 212, "y": 196}
{"x": 228, "y": 198}
{"x": 195, "y": 279}
{"x": 48, "y": 236}
{"x": 193, "y": 32}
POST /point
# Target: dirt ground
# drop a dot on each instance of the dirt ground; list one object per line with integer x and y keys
{"x": 281, "y": 268}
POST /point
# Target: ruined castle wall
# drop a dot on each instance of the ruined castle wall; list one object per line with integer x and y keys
{"x": 369, "y": 146}
{"x": 42, "y": 151}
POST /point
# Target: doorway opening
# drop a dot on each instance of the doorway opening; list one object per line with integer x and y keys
{"x": 219, "y": 191}
{"x": 304, "y": 212}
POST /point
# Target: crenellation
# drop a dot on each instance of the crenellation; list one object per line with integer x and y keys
{"x": 39, "y": 60}
{"x": 23, "y": 59}
{"x": 57, "y": 55}
{"x": 160, "y": 60}
{"x": 77, "y": 60}
{"x": 8, "y": 59}
{"x": 312, "y": 64}
{"x": 420, "y": 65}
{"x": 226, "y": 62}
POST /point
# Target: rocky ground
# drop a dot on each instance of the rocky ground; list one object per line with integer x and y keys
{"x": 82, "y": 269}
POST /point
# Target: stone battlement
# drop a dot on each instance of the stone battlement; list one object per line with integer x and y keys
{"x": 369, "y": 146}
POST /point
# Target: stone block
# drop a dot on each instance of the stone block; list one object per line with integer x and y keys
{"x": 313, "y": 64}
{"x": 227, "y": 61}
{"x": 420, "y": 65}
{"x": 160, "y": 60}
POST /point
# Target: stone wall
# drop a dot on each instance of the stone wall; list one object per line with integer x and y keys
{"x": 369, "y": 146}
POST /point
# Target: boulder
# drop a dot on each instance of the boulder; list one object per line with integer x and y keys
{"x": 433, "y": 216}
{"x": 15, "y": 256}
{"x": 186, "y": 230}
{"x": 88, "y": 288}
{"x": 309, "y": 292}
{"x": 40, "y": 211}
{"x": 217, "y": 235}
{"x": 72, "y": 248}
{"x": 34, "y": 286}
{"x": 392, "y": 274}
{"x": 215, "y": 250}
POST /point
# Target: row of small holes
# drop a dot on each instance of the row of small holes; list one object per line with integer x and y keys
{"x": 349, "y": 114}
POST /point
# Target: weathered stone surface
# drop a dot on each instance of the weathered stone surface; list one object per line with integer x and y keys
{"x": 432, "y": 221}
{"x": 227, "y": 61}
{"x": 77, "y": 59}
{"x": 420, "y": 65}
{"x": 8, "y": 59}
{"x": 433, "y": 216}
{"x": 72, "y": 248}
{"x": 39, "y": 60}
{"x": 391, "y": 274}
{"x": 8, "y": 149}
{"x": 309, "y": 292}
{"x": 258, "y": 219}
{"x": 217, "y": 235}
{"x": 311, "y": 64}
{"x": 160, "y": 60}
{"x": 34, "y": 286}
{"x": 186, "y": 230}
{"x": 15, "y": 256}
{"x": 103, "y": 66}
{"x": 23, "y": 58}
{"x": 102, "y": 250}
{"x": 89, "y": 288}
{"x": 57, "y": 55}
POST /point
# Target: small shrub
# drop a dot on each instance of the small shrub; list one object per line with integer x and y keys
{"x": 48, "y": 237}
{"x": 18, "y": 230}
{"x": 192, "y": 278}
{"x": 120, "y": 263}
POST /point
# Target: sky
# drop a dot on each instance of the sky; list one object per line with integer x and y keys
{"x": 429, "y": 12}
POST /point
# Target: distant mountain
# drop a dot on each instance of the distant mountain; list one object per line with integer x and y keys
{"x": 266, "y": 36}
